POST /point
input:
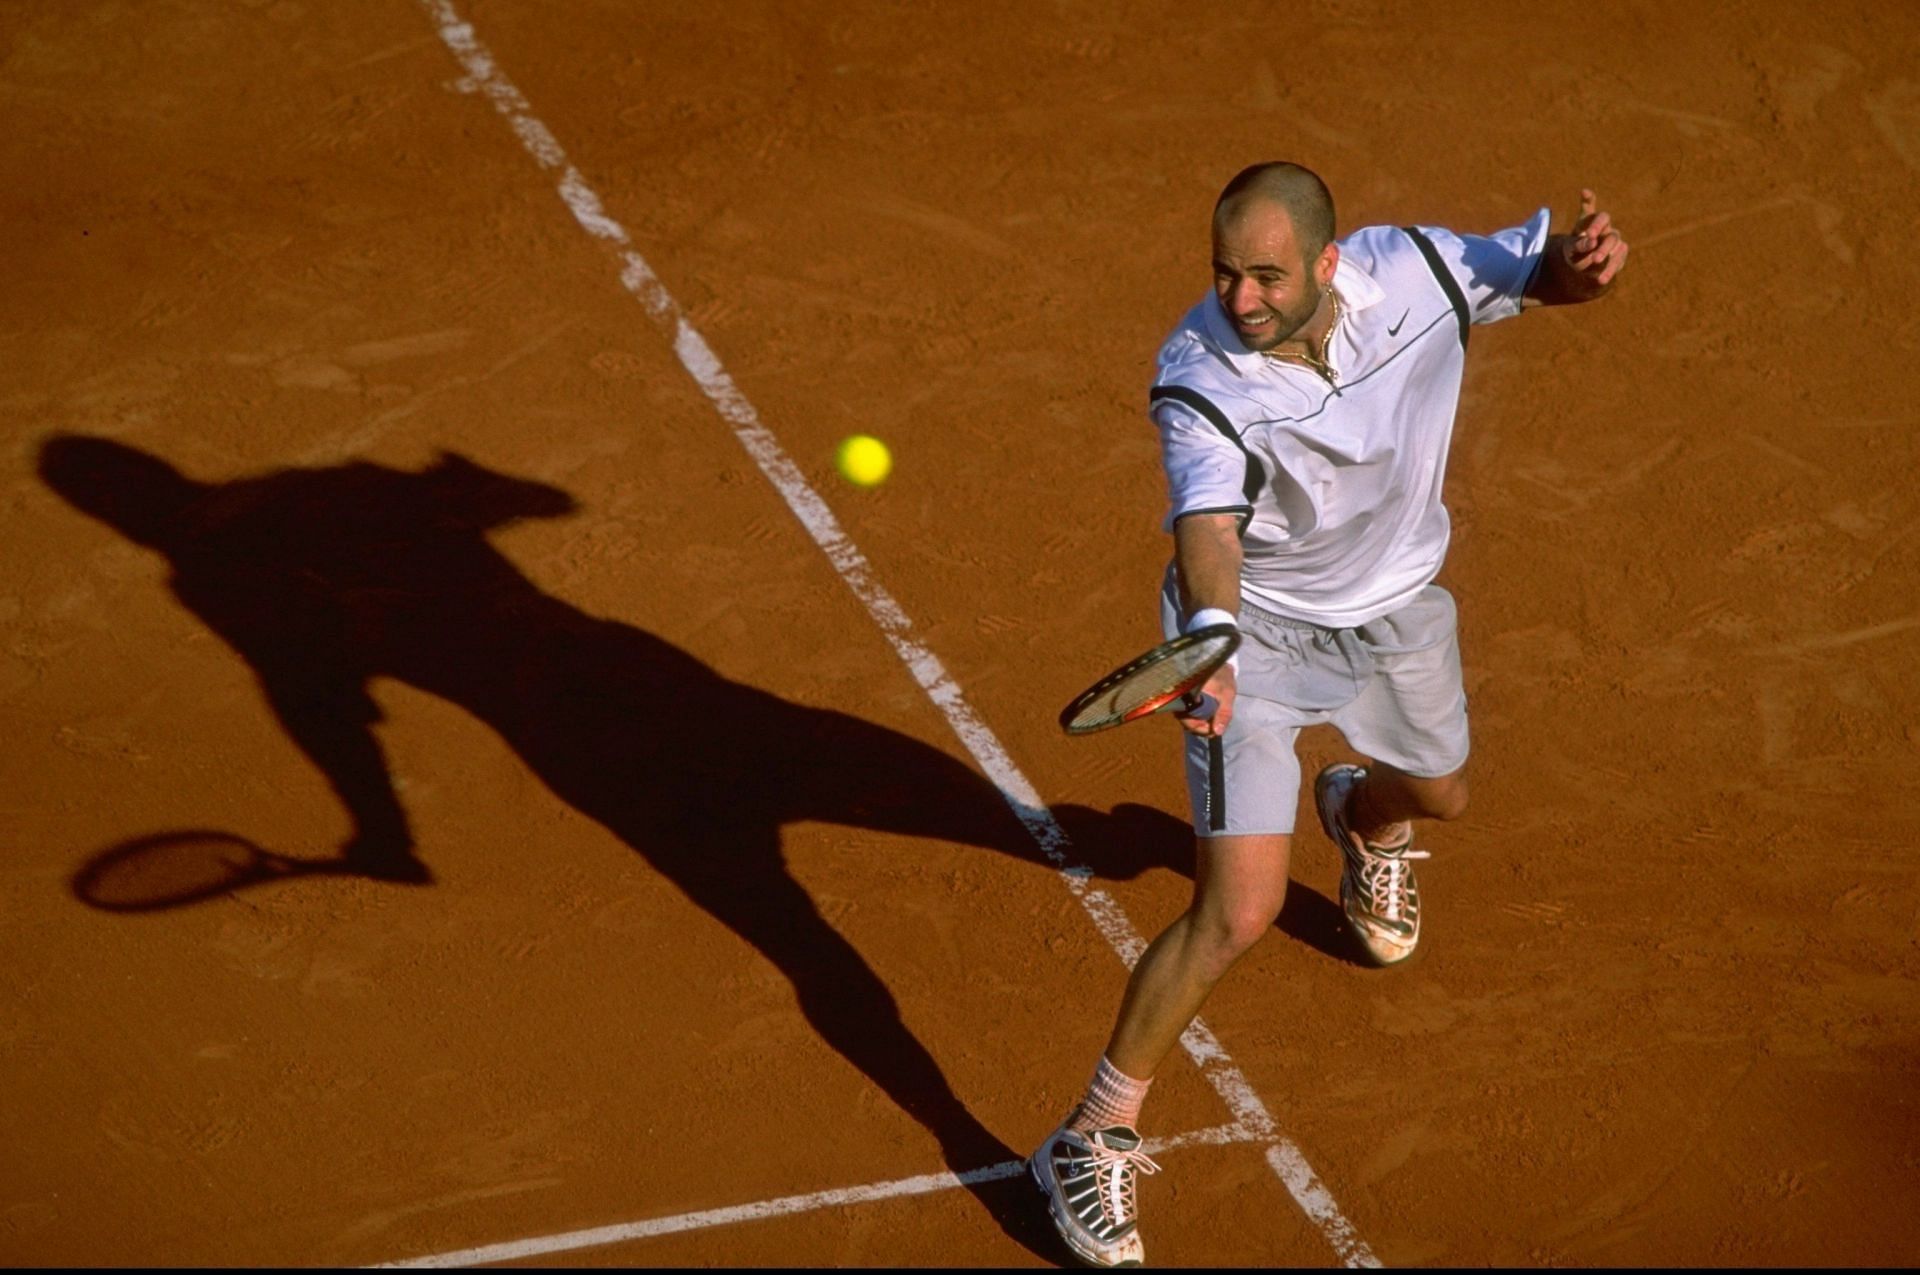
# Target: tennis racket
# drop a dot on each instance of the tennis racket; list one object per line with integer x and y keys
{"x": 1167, "y": 677}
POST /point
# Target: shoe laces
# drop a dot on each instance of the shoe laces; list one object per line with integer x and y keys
{"x": 1385, "y": 877}
{"x": 1114, "y": 1174}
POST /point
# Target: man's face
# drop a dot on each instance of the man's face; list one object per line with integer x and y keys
{"x": 1265, "y": 286}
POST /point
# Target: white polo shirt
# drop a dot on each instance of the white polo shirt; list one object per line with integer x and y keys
{"x": 1338, "y": 485}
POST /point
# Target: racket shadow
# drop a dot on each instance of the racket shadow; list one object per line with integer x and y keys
{"x": 169, "y": 869}
{"x": 323, "y": 579}
{"x": 188, "y": 865}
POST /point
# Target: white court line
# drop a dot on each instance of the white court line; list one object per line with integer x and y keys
{"x": 599, "y": 1236}
{"x": 484, "y": 76}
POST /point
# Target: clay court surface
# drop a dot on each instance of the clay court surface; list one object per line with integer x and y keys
{"x": 325, "y": 415}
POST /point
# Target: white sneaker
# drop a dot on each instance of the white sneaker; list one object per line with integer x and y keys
{"x": 1378, "y": 891}
{"x": 1088, "y": 1179}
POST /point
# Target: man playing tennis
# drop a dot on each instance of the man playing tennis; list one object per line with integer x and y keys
{"x": 1305, "y": 411}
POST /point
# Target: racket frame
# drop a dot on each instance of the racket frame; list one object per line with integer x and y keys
{"x": 1181, "y": 693}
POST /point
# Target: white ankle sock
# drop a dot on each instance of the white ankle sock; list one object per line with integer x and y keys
{"x": 1113, "y": 1098}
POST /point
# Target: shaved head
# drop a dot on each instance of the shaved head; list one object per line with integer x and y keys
{"x": 1274, "y": 257}
{"x": 1306, "y": 199}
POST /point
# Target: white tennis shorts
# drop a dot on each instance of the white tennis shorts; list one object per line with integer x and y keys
{"x": 1391, "y": 686}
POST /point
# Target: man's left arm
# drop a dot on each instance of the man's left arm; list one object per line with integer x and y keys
{"x": 1580, "y": 265}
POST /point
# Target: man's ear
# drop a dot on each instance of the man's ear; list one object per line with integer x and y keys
{"x": 1325, "y": 264}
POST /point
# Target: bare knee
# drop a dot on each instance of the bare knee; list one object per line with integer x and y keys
{"x": 1445, "y": 799}
{"x": 1239, "y": 884}
{"x": 1390, "y": 796}
{"x": 1229, "y": 930}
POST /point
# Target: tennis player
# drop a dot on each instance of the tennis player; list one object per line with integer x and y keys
{"x": 1305, "y": 410}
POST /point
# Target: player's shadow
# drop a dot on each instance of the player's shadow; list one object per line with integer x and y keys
{"x": 322, "y": 579}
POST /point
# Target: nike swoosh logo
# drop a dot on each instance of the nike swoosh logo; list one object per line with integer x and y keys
{"x": 1395, "y": 329}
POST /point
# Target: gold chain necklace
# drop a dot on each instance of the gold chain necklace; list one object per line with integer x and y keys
{"x": 1319, "y": 364}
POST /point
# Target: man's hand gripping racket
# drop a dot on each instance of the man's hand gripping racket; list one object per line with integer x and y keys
{"x": 1173, "y": 676}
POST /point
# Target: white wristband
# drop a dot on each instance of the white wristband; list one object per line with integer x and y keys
{"x": 1210, "y": 616}
{"x": 1207, "y": 616}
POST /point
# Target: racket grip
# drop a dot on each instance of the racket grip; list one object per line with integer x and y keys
{"x": 1201, "y": 705}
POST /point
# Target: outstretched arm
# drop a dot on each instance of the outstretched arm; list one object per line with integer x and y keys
{"x": 1582, "y": 264}
{"x": 330, "y": 716}
{"x": 1207, "y": 548}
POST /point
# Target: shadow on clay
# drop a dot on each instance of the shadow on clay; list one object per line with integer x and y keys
{"x": 323, "y": 579}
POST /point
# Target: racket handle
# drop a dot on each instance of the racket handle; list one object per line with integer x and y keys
{"x": 1201, "y": 705}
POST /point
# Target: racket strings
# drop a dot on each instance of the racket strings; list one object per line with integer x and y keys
{"x": 1150, "y": 685}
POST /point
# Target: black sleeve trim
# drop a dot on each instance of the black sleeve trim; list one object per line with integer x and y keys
{"x": 1256, "y": 478}
{"x": 1245, "y": 512}
{"x": 1216, "y": 785}
{"x": 1448, "y": 284}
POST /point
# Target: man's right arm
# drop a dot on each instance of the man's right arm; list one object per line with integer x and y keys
{"x": 1207, "y": 550}
{"x": 1207, "y": 547}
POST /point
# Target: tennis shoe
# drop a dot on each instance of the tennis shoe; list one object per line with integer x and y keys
{"x": 1378, "y": 890}
{"x": 1088, "y": 1179}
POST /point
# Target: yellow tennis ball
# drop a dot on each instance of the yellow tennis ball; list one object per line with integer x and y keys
{"x": 864, "y": 460}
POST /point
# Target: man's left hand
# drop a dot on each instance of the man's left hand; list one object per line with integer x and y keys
{"x": 1593, "y": 247}
{"x": 1581, "y": 264}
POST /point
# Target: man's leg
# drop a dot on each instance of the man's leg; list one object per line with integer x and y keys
{"x": 1410, "y": 715}
{"x": 1239, "y": 886}
{"x": 1368, "y": 813}
{"x": 1388, "y": 798}
{"x": 1087, "y": 1167}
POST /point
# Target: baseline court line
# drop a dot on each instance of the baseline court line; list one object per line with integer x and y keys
{"x": 599, "y": 1236}
{"x": 484, "y": 76}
